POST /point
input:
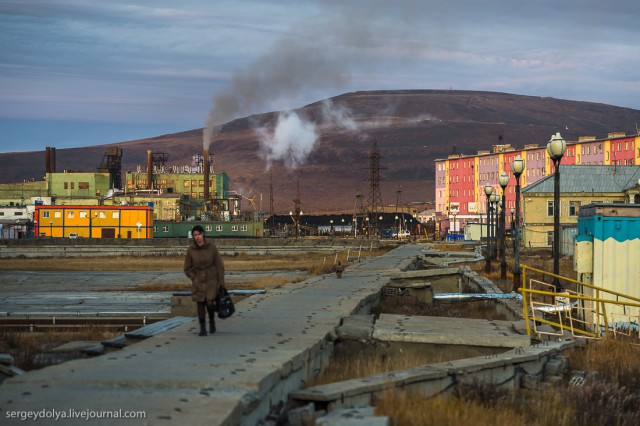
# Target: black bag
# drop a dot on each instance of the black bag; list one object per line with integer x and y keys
{"x": 224, "y": 304}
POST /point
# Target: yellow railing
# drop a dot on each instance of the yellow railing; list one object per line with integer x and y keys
{"x": 583, "y": 315}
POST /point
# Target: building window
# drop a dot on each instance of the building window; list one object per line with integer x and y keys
{"x": 549, "y": 208}
{"x": 73, "y": 185}
{"x": 66, "y": 185}
{"x": 83, "y": 215}
{"x": 83, "y": 185}
{"x": 207, "y": 228}
{"x": 219, "y": 228}
{"x": 71, "y": 215}
{"x": 186, "y": 183}
{"x": 243, "y": 227}
{"x": 194, "y": 195}
{"x": 574, "y": 208}
{"x": 1, "y": 213}
{"x": 549, "y": 238}
{"x": 115, "y": 215}
{"x": 234, "y": 228}
{"x": 194, "y": 183}
{"x": 165, "y": 228}
{"x": 45, "y": 215}
{"x": 16, "y": 213}
{"x": 155, "y": 228}
{"x": 57, "y": 215}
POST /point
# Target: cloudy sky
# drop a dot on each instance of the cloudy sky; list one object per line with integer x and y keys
{"x": 84, "y": 72}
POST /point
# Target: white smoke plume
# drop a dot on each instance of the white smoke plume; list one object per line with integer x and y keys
{"x": 338, "y": 116}
{"x": 291, "y": 141}
{"x": 320, "y": 53}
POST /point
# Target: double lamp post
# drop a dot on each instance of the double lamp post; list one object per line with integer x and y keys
{"x": 556, "y": 149}
{"x": 493, "y": 201}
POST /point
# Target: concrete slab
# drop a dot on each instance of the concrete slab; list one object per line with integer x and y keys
{"x": 451, "y": 331}
{"x": 269, "y": 348}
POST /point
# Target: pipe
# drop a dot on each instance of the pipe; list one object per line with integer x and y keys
{"x": 442, "y": 297}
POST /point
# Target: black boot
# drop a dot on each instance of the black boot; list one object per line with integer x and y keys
{"x": 203, "y": 329}
{"x": 212, "y": 324}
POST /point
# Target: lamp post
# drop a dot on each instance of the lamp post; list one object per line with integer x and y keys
{"x": 488, "y": 189}
{"x": 51, "y": 229}
{"x": 397, "y": 228}
{"x": 455, "y": 228}
{"x": 504, "y": 181}
{"x": 495, "y": 199}
{"x": 556, "y": 148}
{"x": 367, "y": 225}
{"x": 517, "y": 167}
{"x": 512, "y": 211}
{"x": 331, "y": 229}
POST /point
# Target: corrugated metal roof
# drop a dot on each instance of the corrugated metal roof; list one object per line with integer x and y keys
{"x": 597, "y": 179}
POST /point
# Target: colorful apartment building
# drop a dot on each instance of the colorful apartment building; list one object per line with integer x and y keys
{"x": 460, "y": 179}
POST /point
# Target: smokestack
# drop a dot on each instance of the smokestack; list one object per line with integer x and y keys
{"x": 50, "y": 160}
{"x": 149, "y": 169}
{"x": 205, "y": 159}
{"x": 47, "y": 160}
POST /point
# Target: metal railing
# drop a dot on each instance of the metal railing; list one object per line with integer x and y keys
{"x": 587, "y": 312}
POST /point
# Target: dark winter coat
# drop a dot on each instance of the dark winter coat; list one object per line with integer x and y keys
{"x": 204, "y": 266}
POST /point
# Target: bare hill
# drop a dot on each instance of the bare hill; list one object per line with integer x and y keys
{"x": 412, "y": 128}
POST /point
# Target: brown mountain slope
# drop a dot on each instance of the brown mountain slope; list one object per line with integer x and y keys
{"x": 412, "y": 128}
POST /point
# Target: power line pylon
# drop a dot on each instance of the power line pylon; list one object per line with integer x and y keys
{"x": 374, "y": 203}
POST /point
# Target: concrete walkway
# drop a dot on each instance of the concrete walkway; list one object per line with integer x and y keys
{"x": 270, "y": 347}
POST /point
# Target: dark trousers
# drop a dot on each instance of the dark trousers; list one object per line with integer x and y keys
{"x": 208, "y": 305}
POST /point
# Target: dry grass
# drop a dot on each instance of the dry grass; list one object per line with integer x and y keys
{"x": 610, "y": 398}
{"x": 240, "y": 262}
{"x": 407, "y": 305}
{"x": 32, "y": 350}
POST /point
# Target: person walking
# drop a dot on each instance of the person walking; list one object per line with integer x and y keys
{"x": 204, "y": 266}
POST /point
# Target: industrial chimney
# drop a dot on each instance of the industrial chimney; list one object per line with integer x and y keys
{"x": 149, "y": 169}
{"x": 205, "y": 161}
{"x": 50, "y": 160}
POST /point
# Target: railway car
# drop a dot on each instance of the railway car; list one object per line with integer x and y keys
{"x": 222, "y": 229}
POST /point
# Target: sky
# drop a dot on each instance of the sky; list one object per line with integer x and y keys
{"x": 82, "y": 72}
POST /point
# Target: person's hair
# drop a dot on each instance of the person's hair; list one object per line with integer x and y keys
{"x": 198, "y": 228}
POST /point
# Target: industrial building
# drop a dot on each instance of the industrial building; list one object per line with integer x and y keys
{"x": 73, "y": 221}
{"x": 100, "y": 205}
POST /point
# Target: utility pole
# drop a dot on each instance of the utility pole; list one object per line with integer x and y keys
{"x": 374, "y": 204}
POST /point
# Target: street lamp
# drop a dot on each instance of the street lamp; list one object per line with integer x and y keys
{"x": 331, "y": 230}
{"x": 495, "y": 199}
{"x": 503, "y": 180}
{"x": 517, "y": 167}
{"x": 556, "y": 148}
{"x": 51, "y": 229}
{"x": 397, "y": 228}
{"x": 511, "y": 222}
{"x": 488, "y": 189}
